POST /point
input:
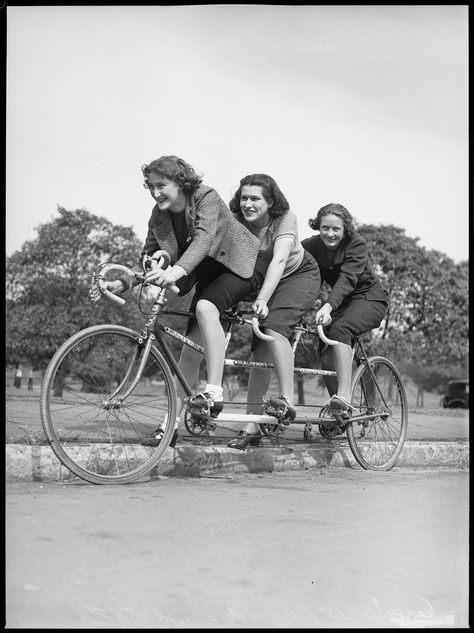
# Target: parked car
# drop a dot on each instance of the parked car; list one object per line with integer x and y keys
{"x": 458, "y": 394}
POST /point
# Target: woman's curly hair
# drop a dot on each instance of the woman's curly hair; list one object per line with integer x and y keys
{"x": 349, "y": 223}
{"x": 175, "y": 169}
{"x": 270, "y": 191}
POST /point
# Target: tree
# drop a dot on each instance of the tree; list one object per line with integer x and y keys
{"x": 47, "y": 283}
{"x": 426, "y": 329}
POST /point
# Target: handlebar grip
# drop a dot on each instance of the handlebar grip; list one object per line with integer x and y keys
{"x": 324, "y": 338}
{"x": 110, "y": 295}
{"x": 164, "y": 255}
{"x": 107, "y": 293}
{"x": 258, "y": 332}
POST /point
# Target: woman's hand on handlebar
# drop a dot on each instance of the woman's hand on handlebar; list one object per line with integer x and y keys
{"x": 260, "y": 308}
{"x": 323, "y": 315}
{"x": 163, "y": 278}
{"x": 114, "y": 287}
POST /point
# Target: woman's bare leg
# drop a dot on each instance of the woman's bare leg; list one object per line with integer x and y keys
{"x": 338, "y": 359}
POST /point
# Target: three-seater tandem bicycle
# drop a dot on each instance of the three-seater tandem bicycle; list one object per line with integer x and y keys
{"x": 108, "y": 386}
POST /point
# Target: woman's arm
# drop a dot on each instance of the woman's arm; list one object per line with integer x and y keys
{"x": 352, "y": 267}
{"x": 281, "y": 251}
{"x": 208, "y": 207}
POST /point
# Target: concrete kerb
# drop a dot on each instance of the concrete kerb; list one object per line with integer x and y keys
{"x": 38, "y": 463}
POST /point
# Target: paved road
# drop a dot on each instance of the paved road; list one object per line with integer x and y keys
{"x": 334, "y": 548}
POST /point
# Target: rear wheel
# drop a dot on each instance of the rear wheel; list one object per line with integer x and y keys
{"x": 92, "y": 423}
{"x": 377, "y": 443}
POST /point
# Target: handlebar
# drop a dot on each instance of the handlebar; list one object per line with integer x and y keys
{"x": 258, "y": 332}
{"x": 266, "y": 337}
{"x": 324, "y": 338}
{"x": 160, "y": 260}
{"x": 317, "y": 304}
{"x": 101, "y": 281}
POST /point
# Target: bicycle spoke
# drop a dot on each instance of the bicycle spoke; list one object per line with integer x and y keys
{"x": 94, "y": 424}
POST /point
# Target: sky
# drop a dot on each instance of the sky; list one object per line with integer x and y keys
{"x": 364, "y": 105}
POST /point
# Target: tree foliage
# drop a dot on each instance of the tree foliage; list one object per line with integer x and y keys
{"x": 427, "y": 320}
{"x": 47, "y": 283}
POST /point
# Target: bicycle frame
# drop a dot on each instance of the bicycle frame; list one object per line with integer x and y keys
{"x": 100, "y": 424}
{"x": 155, "y": 330}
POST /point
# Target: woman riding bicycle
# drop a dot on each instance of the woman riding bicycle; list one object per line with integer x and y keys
{"x": 290, "y": 288}
{"x": 209, "y": 249}
{"x": 357, "y": 301}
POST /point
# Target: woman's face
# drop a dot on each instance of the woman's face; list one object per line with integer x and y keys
{"x": 253, "y": 205}
{"x": 167, "y": 194}
{"x": 331, "y": 230}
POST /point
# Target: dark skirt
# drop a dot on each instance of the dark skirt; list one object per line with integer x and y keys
{"x": 293, "y": 297}
{"x": 215, "y": 283}
{"x": 356, "y": 317}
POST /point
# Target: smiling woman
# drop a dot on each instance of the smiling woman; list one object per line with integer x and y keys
{"x": 357, "y": 302}
{"x": 289, "y": 290}
{"x": 208, "y": 249}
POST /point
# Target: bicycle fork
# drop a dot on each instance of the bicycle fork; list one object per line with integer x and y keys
{"x": 145, "y": 341}
{"x": 114, "y": 401}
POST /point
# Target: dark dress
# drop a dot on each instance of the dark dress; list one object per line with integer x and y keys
{"x": 357, "y": 297}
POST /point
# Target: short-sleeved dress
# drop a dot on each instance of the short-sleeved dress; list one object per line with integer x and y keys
{"x": 300, "y": 283}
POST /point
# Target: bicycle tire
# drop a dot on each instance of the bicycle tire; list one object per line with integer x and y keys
{"x": 96, "y": 437}
{"x": 376, "y": 444}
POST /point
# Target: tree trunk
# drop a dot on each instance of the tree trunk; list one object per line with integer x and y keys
{"x": 58, "y": 385}
{"x": 300, "y": 387}
{"x": 420, "y": 399}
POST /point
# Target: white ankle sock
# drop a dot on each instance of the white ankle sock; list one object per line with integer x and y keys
{"x": 165, "y": 421}
{"x": 216, "y": 391}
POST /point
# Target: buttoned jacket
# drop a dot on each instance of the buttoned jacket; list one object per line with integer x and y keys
{"x": 347, "y": 269}
{"x": 213, "y": 231}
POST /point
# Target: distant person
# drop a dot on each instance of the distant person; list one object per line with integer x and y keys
{"x": 290, "y": 289}
{"x": 357, "y": 302}
{"x": 211, "y": 251}
{"x": 30, "y": 380}
{"x": 18, "y": 377}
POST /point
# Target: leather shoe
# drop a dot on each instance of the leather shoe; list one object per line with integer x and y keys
{"x": 340, "y": 403}
{"x": 154, "y": 439}
{"x": 244, "y": 439}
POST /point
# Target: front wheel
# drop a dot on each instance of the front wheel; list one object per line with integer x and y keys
{"x": 94, "y": 410}
{"x": 377, "y": 442}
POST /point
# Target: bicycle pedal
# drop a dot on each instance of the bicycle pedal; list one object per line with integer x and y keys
{"x": 341, "y": 416}
{"x": 275, "y": 408}
{"x": 202, "y": 419}
{"x": 275, "y": 412}
{"x": 202, "y": 407}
